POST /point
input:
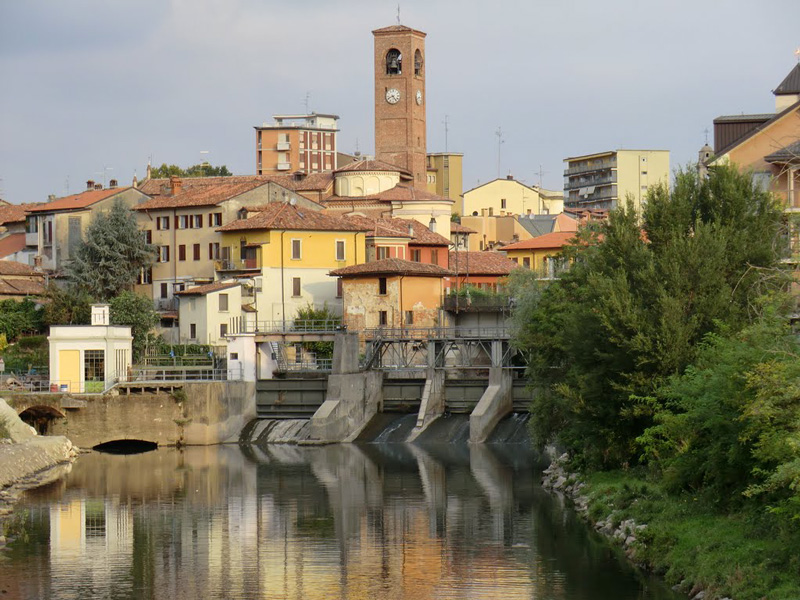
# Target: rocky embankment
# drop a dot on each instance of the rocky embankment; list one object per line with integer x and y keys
{"x": 27, "y": 460}
{"x": 557, "y": 479}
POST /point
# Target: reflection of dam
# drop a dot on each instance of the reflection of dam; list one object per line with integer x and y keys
{"x": 342, "y": 521}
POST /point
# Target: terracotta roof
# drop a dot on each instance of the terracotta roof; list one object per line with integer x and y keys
{"x": 14, "y": 213}
{"x": 311, "y": 182}
{"x": 11, "y": 244}
{"x": 205, "y": 195}
{"x": 21, "y": 287}
{"x": 370, "y": 164}
{"x": 391, "y": 266}
{"x": 285, "y": 216}
{"x": 481, "y": 263}
{"x": 416, "y": 232}
{"x": 76, "y": 201}
{"x": 456, "y": 227}
{"x": 545, "y": 242}
{"x": 791, "y": 83}
{"x": 10, "y": 267}
{"x": 249, "y": 308}
{"x": 202, "y": 290}
{"x": 396, "y": 29}
{"x": 400, "y": 192}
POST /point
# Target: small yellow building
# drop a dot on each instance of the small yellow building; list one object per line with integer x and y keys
{"x": 445, "y": 176}
{"x": 540, "y": 254}
{"x": 510, "y": 197}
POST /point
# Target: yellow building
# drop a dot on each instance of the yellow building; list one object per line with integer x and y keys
{"x": 392, "y": 293}
{"x": 540, "y": 253}
{"x": 604, "y": 180}
{"x": 288, "y": 251}
{"x": 510, "y": 197}
{"x": 445, "y": 175}
{"x": 494, "y": 231}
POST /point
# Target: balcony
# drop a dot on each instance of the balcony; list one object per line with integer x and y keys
{"x": 476, "y": 301}
{"x": 586, "y": 168}
{"x": 282, "y": 146}
{"x": 574, "y": 183}
{"x": 249, "y": 264}
{"x": 32, "y": 239}
{"x": 167, "y": 304}
{"x": 284, "y": 166}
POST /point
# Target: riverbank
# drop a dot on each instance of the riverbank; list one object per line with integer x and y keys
{"x": 698, "y": 550}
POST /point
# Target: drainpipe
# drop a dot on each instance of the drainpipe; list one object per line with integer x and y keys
{"x": 402, "y": 320}
{"x": 283, "y": 296}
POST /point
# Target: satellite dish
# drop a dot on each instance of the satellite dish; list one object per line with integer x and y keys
{"x": 293, "y": 201}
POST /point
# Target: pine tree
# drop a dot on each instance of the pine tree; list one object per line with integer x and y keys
{"x": 111, "y": 257}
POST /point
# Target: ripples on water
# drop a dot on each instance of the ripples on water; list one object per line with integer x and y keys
{"x": 357, "y": 522}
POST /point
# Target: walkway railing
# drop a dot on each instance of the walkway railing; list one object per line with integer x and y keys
{"x": 324, "y": 326}
{"x": 437, "y": 333}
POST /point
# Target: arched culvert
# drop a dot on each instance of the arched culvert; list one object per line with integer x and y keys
{"x": 41, "y": 418}
{"x": 125, "y": 446}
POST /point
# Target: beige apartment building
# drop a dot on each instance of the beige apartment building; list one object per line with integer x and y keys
{"x": 508, "y": 196}
{"x": 604, "y": 180}
{"x": 445, "y": 175}
{"x": 292, "y": 143}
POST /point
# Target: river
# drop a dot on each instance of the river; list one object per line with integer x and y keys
{"x": 371, "y": 522}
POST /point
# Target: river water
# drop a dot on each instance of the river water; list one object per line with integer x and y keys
{"x": 372, "y": 522}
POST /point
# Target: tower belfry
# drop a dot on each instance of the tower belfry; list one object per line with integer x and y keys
{"x": 400, "y": 127}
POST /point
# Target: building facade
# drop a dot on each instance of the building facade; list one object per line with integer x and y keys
{"x": 206, "y": 312}
{"x": 297, "y": 143}
{"x": 508, "y": 196}
{"x": 445, "y": 176}
{"x": 605, "y": 180}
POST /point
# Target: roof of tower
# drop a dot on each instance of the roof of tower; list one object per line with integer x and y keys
{"x": 397, "y": 29}
{"x": 790, "y": 84}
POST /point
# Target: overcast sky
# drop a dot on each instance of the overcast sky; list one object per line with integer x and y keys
{"x": 93, "y": 84}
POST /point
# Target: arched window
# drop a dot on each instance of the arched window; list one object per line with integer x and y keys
{"x": 417, "y": 63}
{"x": 394, "y": 62}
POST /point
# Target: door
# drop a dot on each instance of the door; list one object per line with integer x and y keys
{"x": 69, "y": 371}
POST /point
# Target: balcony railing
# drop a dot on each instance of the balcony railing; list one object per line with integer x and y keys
{"x": 573, "y": 183}
{"x": 585, "y": 168}
{"x": 476, "y": 302}
{"x": 325, "y": 326}
{"x": 284, "y": 166}
{"x": 167, "y": 304}
{"x": 282, "y": 146}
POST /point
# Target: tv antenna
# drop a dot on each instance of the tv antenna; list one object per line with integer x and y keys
{"x": 308, "y": 96}
{"x": 540, "y": 173}
{"x": 500, "y": 142}
{"x": 446, "y": 129}
{"x": 103, "y": 173}
{"x": 398, "y": 13}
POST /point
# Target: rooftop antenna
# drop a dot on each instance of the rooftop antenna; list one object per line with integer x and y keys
{"x": 499, "y": 134}
{"x": 540, "y": 173}
{"x": 358, "y": 152}
{"x": 398, "y": 13}
{"x": 105, "y": 168}
{"x": 66, "y": 186}
{"x": 308, "y": 96}
{"x": 446, "y": 129}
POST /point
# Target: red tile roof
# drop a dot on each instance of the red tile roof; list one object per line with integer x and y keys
{"x": 456, "y": 227}
{"x": 416, "y": 232}
{"x": 391, "y": 266}
{"x": 11, "y": 244}
{"x": 396, "y": 29}
{"x": 547, "y": 241}
{"x": 202, "y": 290}
{"x": 21, "y": 287}
{"x": 317, "y": 182}
{"x": 14, "y": 213}
{"x": 10, "y": 267}
{"x": 399, "y": 193}
{"x": 281, "y": 215}
{"x": 481, "y": 263}
{"x": 76, "y": 201}
{"x": 370, "y": 164}
{"x": 201, "y": 195}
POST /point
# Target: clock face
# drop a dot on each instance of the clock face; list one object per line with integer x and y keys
{"x": 393, "y": 96}
{"x": 419, "y": 97}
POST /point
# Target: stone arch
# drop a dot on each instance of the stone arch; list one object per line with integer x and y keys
{"x": 418, "y": 62}
{"x": 41, "y": 418}
{"x": 394, "y": 62}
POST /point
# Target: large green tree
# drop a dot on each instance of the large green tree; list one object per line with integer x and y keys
{"x": 129, "y": 308}
{"x": 639, "y": 298}
{"x": 111, "y": 257}
{"x": 201, "y": 170}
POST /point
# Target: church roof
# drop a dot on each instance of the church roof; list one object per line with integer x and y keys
{"x": 790, "y": 84}
{"x": 370, "y": 164}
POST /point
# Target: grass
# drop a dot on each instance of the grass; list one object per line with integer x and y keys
{"x": 737, "y": 554}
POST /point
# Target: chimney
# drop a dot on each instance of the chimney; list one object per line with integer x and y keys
{"x": 98, "y": 186}
{"x": 411, "y": 231}
{"x": 100, "y": 315}
{"x": 112, "y": 183}
{"x": 51, "y": 197}
{"x": 510, "y": 177}
{"x": 175, "y": 185}
{"x": 90, "y": 185}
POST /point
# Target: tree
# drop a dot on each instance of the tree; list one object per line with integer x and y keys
{"x": 67, "y": 306}
{"x": 113, "y": 254}
{"x": 19, "y": 316}
{"x": 636, "y": 303}
{"x": 311, "y": 319}
{"x": 129, "y": 308}
{"x": 201, "y": 170}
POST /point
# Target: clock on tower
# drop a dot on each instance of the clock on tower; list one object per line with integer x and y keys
{"x": 400, "y": 99}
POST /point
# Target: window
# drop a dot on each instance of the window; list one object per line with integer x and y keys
{"x": 162, "y": 223}
{"x": 418, "y": 63}
{"x": 526, "y": 262}
{"x": 296, "y": 287}
{"x": 234, "y": 356}
{"x": 181, "y": 222}
{"x": 383, "y": 318}
{"x": 31, "y": 225}
{"x": 213, "y": 251}
{"x": 339, "y": 288}
{"x": 296, "y": 250}
{"x": 94, "y": 368}
{"x": 382, "y": 286}
{"x": 198, "y": 221}
{"x": 164, "y": 292}
{"x": 502, "y": 202}
{"x": 196, "y": 251}
{"x": 223, "y": 329}
{"x": 416, "y": 255}
{"x": 223, "y": 302}
{"x": 339, "y": 249}
{"x": 644, "y": 188}
{"x": 644, "y": 172}
{"x": 148, "y": 236}
{"x": 383, "y": 252}
{"x": 145, "y": 276}
{"x": 394, "y": 62}
{"x": 182, "y": 252}
{"x": 192, "y": 331}
{"x": 163, "y": 254}
{"x": 409, "y": 317}
{"x": 215, "y": 219}
{"x": 434, "y": 257}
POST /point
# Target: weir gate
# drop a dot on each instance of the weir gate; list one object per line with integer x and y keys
{"x": 428, "y": 371}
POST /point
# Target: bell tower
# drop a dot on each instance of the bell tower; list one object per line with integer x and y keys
{"x": 400, "y": 100}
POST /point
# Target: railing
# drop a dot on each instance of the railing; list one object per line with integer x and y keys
{"x": 289, "y": 326}
{"x": 606, "y": 164}
{"x": 160, "y": 374}
{"x": 167, "y": 304}
{"x": 476, "y": 302}
{"x": 437, "y": 333}
{"x": 574, "y": 184}
{"x": 321, "y": 365}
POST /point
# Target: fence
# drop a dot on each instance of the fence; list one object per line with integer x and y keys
{"x": 289, "y": 326}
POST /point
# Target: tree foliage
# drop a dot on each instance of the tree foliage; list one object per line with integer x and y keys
{"x": 135, "y": 310}
{"x": 67, "y": 306}
{"x": 17, "y": 317}
{"x": 636, "y": 303}
{"x": 111, "y": 257}
{"x": 311, "y": 319}
{"x": 201, "y": 170}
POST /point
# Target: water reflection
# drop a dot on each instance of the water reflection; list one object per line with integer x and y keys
{"x": 356, "y": 522}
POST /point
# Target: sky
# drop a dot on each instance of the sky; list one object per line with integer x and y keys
{"x": 92, "y": 89}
